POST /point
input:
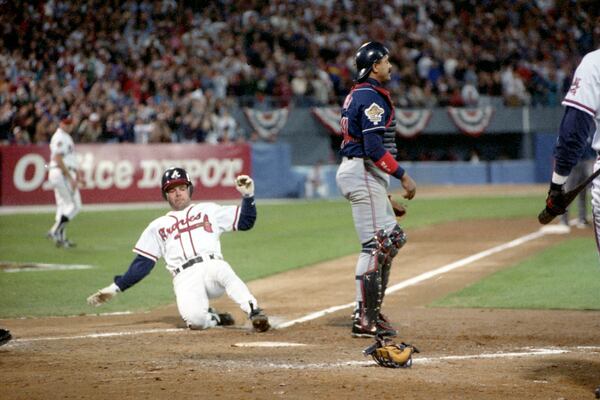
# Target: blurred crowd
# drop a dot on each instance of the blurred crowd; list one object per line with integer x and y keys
{"x": 171, "y": 71}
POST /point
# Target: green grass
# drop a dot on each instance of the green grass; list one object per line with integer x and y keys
{"x": 566, "y": 276}
{"x": 286, "y": 236}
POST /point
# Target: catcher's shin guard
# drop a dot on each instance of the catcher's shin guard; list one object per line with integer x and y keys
{"x": 387, "y": 247}
{"x": 366, "y": 316}
{"x": 371, "y": 285}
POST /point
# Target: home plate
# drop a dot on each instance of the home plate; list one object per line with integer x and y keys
{"x": 267, "y": 344}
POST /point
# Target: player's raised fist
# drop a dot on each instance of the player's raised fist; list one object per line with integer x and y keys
{"x": 245, "y": 185}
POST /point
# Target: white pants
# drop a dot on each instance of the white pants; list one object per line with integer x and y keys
{"x": 68, "y": 201}
{"x": 197, "y": 284}
{"x": 596, "y": 205}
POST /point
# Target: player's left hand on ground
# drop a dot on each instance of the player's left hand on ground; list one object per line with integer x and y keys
{"x": 103, "y": 295}
{"x": 556, "y": 202}
{"x": 245, "y": 185}
{"x": 399, "y": 208}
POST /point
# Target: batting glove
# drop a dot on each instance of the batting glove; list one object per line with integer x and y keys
{"x": 245, "y": 185}
{"x": 103, "y": 295}
{"x": 555, "y": 202}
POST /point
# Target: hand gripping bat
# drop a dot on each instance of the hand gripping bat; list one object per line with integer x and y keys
{"x": 545, "y": 217}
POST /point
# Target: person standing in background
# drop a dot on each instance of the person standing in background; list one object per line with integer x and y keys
{"x": 65, "y": 177}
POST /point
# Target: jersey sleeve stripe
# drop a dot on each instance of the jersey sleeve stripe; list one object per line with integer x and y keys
{"x": 582, "y": 107}
{"x": 377, "y": 128}
{"x": 145, "y": 254}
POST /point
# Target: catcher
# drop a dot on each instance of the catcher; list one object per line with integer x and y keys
{"x": 368, "y": 151}
{"x": 388, "y": 354}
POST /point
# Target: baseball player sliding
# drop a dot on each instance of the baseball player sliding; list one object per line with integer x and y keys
{"x": 188, "y": 239}
{"x": 368, "y": 151}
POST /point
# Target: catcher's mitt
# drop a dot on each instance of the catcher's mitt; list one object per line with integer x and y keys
{"x": 388, "y": 354}
{"x": 399, "y": 208}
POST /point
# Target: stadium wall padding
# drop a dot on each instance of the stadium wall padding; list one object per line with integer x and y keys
{"x": 434, "y": 173}
{"x": 544, "y": 160}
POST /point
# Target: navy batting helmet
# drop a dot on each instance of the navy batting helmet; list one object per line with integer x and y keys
{"x": 175, "y": 176}
{"x": 367, "y": 55}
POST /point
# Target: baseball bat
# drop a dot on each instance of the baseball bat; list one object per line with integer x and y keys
{"x": 545, "y": 217}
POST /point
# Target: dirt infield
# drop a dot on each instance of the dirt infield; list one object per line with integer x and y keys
{"x": 465, "y": 353}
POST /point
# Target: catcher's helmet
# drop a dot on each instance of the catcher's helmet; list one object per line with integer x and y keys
{"x": 175, "y": 176}
{"x": 367, "y": 55}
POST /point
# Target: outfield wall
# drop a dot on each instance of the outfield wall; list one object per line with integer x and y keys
{"x": 121, "y": 173}
{"x": 427, "y": 173}
{"x": 131, "y": 173}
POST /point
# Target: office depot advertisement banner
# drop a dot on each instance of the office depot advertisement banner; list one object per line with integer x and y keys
{"x": 118, "y": 173}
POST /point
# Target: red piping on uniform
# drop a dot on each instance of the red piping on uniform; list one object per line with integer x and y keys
{"x": 178, "y": 231}
{"x": 581, "y": 105}
{"x": 187, "y": 218}
{"x": 373, "y": 216}
{"x": 145, "y": 253}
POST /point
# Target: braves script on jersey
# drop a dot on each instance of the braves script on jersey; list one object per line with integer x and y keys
{"x": 182, "y": 235}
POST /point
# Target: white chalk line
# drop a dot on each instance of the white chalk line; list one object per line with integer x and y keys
{"x": 99, "y": 335}
{"x": 427, "y": 360}
{"x": 424, "y": 276}
{"x": 38, "y": 267}
{"x": 318, "y": 314}
{"x": 368, "y": 361}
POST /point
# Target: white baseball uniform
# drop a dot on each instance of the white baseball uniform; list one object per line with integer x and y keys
{"x": 68, "y": 199}
{"x": 189, "y": 242}
{"x": 584, "y": 95}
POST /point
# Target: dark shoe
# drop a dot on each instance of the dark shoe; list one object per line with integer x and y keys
{"x": 360, "y": 331}
{"x": 223, "y": 319}
{"x": 597, "y": 392}
{"x": 260, "y": 322}
{"x": 384, "y": 325}
{"x": 5, "y": 336}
